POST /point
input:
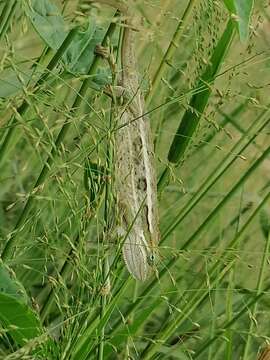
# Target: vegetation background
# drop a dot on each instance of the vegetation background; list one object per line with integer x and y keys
{"x": 64, "y": 290}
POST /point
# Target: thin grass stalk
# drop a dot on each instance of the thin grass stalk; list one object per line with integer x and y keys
{"x": 107, "y": 214}
{"x": 167, "y": 57}
{"x": 223, "y": 123}
{"x": 256, "y": 127}
{"x": 254, "y": 309}
{"x": 194, "y": 237}
{"x": 234, "y": 221}
{"x": 106, "y": 283}
{"x": 231, "y": 119}
{"x": 7, "y": 251}
{"x": 197, "y": 105}
{"x": 6, "y": 16}
{"x": 9, "y": 137}
{"x": 82, "y": 348}
{"x": 229, "y": 294}
{"x": 64, "y": 273}
{"x": 201, "y": 296}
{"x": 228, "y": 324}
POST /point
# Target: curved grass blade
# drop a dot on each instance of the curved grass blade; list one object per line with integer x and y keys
{"x": 7, "y": 251}
{"x": 215, "y": 275}
{"x": 197, "y": 105}
{"x": 8, "y": 139}
{"x": 6, "y": 16}
{"x": 241, "y": 10}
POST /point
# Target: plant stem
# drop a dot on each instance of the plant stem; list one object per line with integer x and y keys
{"x": 197, "y": 105}
{"x": 6, "y": 144}
{"x": 256, "y": 127}
{"x": 167, "y": 57}
{"x": 107, "y": 214}
{"x": 7, "y": 251}
{"x": 196, "y": 234}
{"x": 201, "y": 296}
{"x": 6, "y": 16}
{"x": 253, "y": 310}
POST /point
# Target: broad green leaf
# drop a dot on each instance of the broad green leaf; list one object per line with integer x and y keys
{"x": 242, "y": 9}
{"x": 10, "y": 84}
{"x": 230, "y": 5}
{"x": 9, "y": 285}
{"x": 47, "y": 21}
{"x": 82, "y": 49}
{"x": 18, "y": 320}
{"x": 16, "y": 317}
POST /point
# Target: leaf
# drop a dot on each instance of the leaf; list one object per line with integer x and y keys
{"x": 17, "y": 318}
{"x": 19, "y": 321}
{"x": 10, "y": 285}
{"x": 230, "y": 5}
{"x": 10, "y": 84}
{"x": 81, "y": 52}
{"x": 242, "y": 9}
{"x": 199, "y": 100}
{"x": 48, "y": 22}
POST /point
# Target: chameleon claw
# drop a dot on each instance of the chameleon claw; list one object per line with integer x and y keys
{"x": 102, "y": 51}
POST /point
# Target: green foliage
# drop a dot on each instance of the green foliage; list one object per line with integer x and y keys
{"x": 94, "y": 180}
{"x": 17, "y": 318}
{"x": 242, "y": 10}
{"x": 198, "y": 102}
{"x": 47, "y": 21}
{"x": 9, "y": 285}
{"x": 81, "y": 51}
{"x": 64, "y": 289}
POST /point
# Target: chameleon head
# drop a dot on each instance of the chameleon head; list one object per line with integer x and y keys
{"x": 139, "y": 258}
{"x": 152, "y": 258}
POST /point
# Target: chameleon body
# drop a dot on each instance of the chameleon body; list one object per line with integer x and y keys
{"x": 135, "y": 168}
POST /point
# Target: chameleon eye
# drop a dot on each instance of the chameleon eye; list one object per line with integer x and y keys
{"x": 151, "y": 259}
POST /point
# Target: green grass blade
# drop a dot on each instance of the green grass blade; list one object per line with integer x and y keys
{"x": 198, "y": 102}
{"x": 241, "y": 10}
{"x": 9, "y": 140}
{"x": 170, "y": 51}
{"x": 259, "y": 289}
{"x": 6, "y": 16}
{"x": 256, "y": 127}
{"x": 8, "y": 249}
{"x": 201, "y": 295}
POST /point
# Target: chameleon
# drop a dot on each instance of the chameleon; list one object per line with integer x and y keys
{"x": 135, "y": 174}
